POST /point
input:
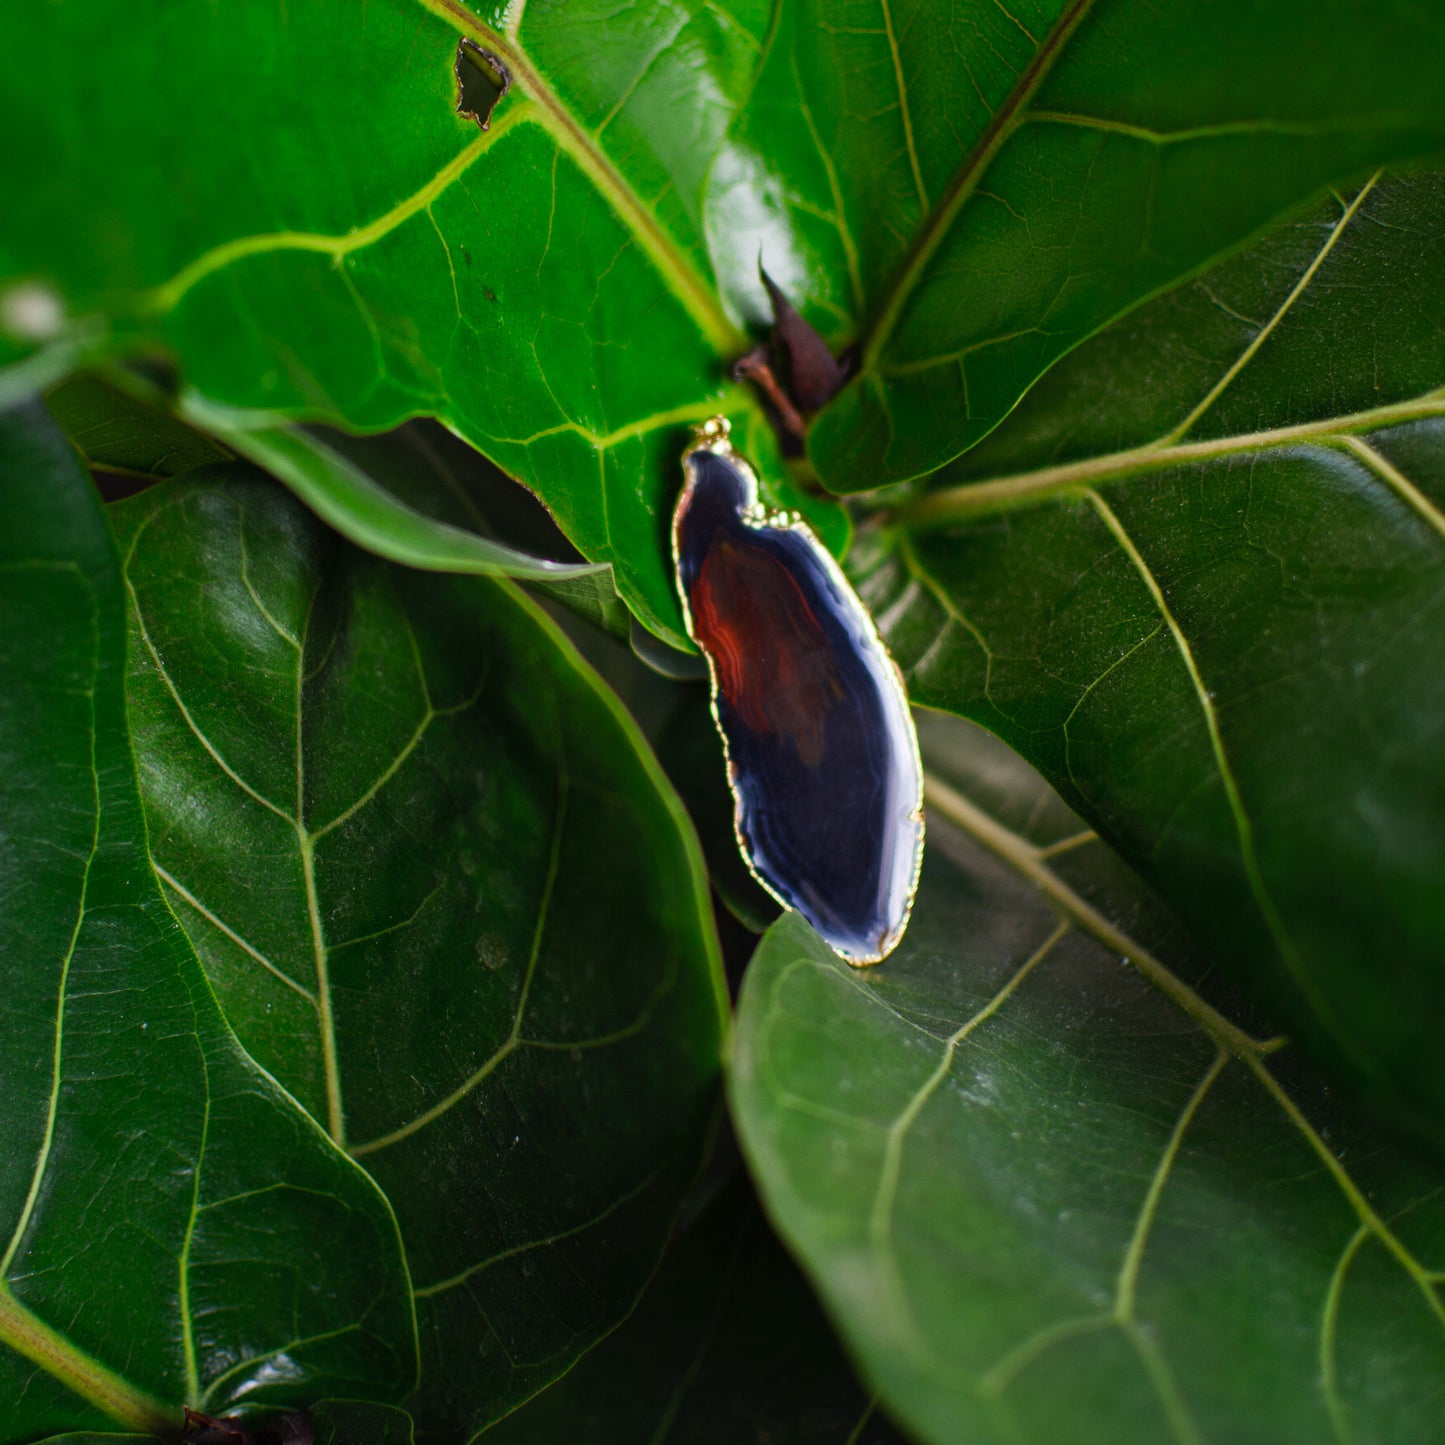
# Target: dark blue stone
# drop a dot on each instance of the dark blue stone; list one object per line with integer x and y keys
{"x": 821, "y": 751}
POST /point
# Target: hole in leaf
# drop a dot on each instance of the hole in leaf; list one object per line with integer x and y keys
{"x": 482, "y": 80}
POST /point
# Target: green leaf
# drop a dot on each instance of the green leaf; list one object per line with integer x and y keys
{"x": 1196, "y": 579}
{"x": 565, "y": 286}
{"x": 1049, "y": 1191}
{"x": 728, "y": 1344}
{"x": 115, "y": 430}
{"x": 172, "y": 1227}
{"x": 417, "y": 495}
{"x": 337, "y": 477}
{"x": 1065, "y": 161}
{"x": 446, "y": 896}
{"x": 541, "y": 285}
{"x": 350, "y": 1422}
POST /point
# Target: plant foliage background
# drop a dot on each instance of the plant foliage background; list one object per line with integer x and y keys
{"x": 372, "y": 988}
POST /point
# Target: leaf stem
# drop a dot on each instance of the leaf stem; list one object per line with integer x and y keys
{"x": 1073, "y": 477}
{"x": 1025, "y": 859}
{"x": 45, "y": 1347}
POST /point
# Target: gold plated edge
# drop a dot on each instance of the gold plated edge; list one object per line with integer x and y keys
{"x": 714, "y": 435}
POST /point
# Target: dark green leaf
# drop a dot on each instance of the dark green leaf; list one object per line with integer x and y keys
{"x": 117, "y": 431}
{"x": 1056, "y": 163}
{"x": 1198, "y": 582}
{"x": 174, "y": 1228}
{"x": 446, "y": 896}
{"x": 727, "y": 1345}
{"x": 1052, "y": 1196}
{"x": 349, "y": 1422}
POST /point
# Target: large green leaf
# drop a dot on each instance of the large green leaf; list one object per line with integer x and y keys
{"x": 446, "y": 895}
{"x": 416, "y": 495}
{"x": 1070, "y": 159}
{"x": 1050, "y": 1191}
{"x": 389, "y": 259}
{"x": 727, "y": 1345}
{"x": 174, "y": 1228}
{"x": 566, "y": 287}
{"x": 1225, "y": 646}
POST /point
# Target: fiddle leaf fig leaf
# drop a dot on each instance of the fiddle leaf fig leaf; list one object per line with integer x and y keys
{"x": 174, "y": 1229}
{"x": 446, "y": 896}
{"x": 1052, "y": 1184}
{"x": 965, "y": 192}
{"x": 360, "y": 487}
{"x": 1066, "y": 160}
{"x": 352, "y": 1422}
{"x": 119, "y": 431}
{"x": 728, "y": 1344}
{"x": 1196, "y": 579}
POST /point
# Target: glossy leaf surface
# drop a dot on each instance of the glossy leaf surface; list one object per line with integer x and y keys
{"x": 1060, "y": 162}
{"x": 175, "y": 1228}
{"x": 1049, "y": 1191}
{"x": 728, "y": 1344}
{"x": 567, "y": 286}
{"x": 336, "y": 477}
{"x": 1225, "y": 646}
{"x": 512, "y": 281}
{"x": 446, "y": 896}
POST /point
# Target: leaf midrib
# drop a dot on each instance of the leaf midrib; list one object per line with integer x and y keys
{"x": 1023, "y": 858}
{"x": 21, "y": 1329}
{"x": 582, "y": 147}
{"x": 965, "y": 181}
{"x": 969, "y": 499}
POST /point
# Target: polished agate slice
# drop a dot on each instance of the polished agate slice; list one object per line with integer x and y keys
{"x": 821, "y": 753}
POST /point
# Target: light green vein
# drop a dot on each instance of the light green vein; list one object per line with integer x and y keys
{"x": 965, "y": 181}
{"x": 885, "y": 1196}
{"x": 880, "y": 1222}
{"x": 514, "y": 1040}
{"x": 167, "y": 296}
{"x": 1263, "y": 335}
{"x": 30, "y": 1336}
{"x": 225, "y": 928}
{"x": 1071, "y": 478}
{"x": 903, "y": 106}
{"x": 996, "y": 1381}
{"x": 1340, "y": 125}
{"x": 571, "y": 1232}
{"x": 183, "y": 1263}
{"x": 52, "y": 1107}
{"x": 1329, "y": 1334}
{"x": 1243, "y": 824}
{"x": 1395, "y": 479}
{"x": 1126, "y": 1288}
{"x": 677, "y": 272}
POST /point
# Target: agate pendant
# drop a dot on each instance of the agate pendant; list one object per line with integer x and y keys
{"x": 821, "y": 753}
